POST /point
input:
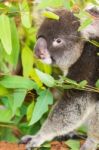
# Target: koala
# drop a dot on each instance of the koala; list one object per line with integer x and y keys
{"x": 59, "y": 42}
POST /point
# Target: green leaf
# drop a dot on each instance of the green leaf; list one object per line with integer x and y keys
{"x": 14, "y": 56}
{"x": 83, "y": 83}
{"x": 43, "y": 67}
{"x": 50, "y": 15}
{"x": 4, "y": 91}
{"x": 97, "y": 84}
{"x": 82, "y": 129}
{"x": 25, "y": 14}
{"x": 5, "y": 33}
{"x": 5, "y": 115}
{"x": 67, "y": 4}
{"x": 41, "y": 105}
{"x": 45, "y": 78}
{"x": 34, "y": 76}
{"x": 27, "y": 61}
{"x": 50, "y": 3}
{"x": 73, "y": 144}
{"x": 15, "y": 43}
{"x": 6, "y": 133}
{"x": 2, "y": 6}
{"x": 18, "y": 98}
{"x": 30, "y": 110}
{"x": 17, "y": 82}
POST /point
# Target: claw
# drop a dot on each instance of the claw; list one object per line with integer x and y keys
{"x": 25, "y": 139}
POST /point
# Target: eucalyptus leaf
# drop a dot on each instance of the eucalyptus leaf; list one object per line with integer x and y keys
{"x": 43, "y": 67}
{"x": 25, "y": 14}
{"x": 50, "y": 15}
{"x": 27, "y": 60}
{"x": 5, "y": 115}
{"x": 5, "y": 33}
{"x": 67, "y": 5}
{"x": 35, "y": 77}
{"x": 15, "y": 43}
{"x": 30, "y": 110}
{"x": 83, "y": 83}
{"x": 97, "y": 84}
{"x": 73, "y": 144}
{"x": 50, "y": 3}
{"x": 17, "y": 82}
{"x": 14, "y": 56}
{"x": 4, "y": 91}
{"x": 41, "y": 107}
{"x": 18, "y": 98}
{"x": 45, "y": 78}
{"x": 82, "y": 129}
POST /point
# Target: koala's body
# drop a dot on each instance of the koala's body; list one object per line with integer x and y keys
{"x": 60, "y": 43}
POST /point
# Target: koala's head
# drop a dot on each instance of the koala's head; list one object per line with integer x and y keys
{"x": 59, "y": 42}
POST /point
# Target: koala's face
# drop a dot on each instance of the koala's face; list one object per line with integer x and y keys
{"x": 59, "y": 42}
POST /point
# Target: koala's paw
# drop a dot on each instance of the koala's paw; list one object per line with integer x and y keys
{"x": 31, "y": 142}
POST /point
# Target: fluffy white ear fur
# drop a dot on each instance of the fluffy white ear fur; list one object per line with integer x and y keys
{"x": 92, "y": 30}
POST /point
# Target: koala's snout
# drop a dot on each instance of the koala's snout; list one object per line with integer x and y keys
{"x": 40, "y": 48}
{"x": 41, "y": 51}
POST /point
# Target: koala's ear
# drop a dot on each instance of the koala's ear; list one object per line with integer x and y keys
{"x": 92, "y": 30}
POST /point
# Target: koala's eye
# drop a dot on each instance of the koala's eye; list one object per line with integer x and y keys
{"x": 58, "y": 42}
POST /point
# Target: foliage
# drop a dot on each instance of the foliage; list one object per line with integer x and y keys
{"x": 73, "y": 144}
{"x": 25, "y": 94}
{"x": 51, "y": 15}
